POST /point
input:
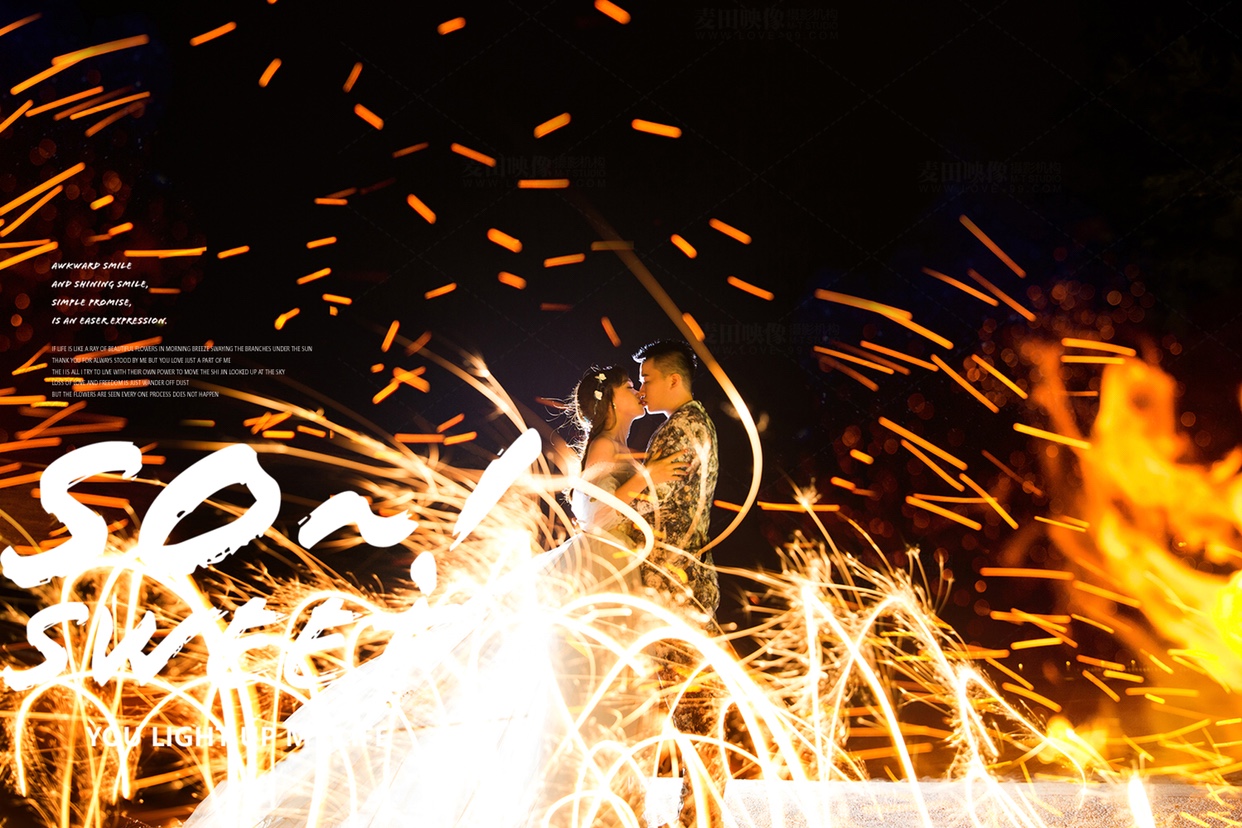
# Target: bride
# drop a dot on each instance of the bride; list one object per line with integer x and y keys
{"x": 454, "y": 723}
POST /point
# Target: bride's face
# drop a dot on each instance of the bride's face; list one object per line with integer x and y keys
{"x": 625, "y": 398}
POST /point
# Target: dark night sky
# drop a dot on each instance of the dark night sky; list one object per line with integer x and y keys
{"x": 1096, "y": 143}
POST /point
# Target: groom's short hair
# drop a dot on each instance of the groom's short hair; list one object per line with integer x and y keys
{"x": 672, "y": 356}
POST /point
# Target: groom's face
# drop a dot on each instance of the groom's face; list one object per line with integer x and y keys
{"x": 653, "y": 391}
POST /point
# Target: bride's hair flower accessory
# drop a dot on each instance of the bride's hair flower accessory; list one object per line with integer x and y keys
{"x": 599, "y": 394}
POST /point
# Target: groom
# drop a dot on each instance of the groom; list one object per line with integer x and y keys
{"x": 680, "y": 510}
{"x": 677, "y": 570}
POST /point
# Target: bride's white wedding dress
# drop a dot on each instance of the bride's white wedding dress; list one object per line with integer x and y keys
{"x": 453, "y": 724}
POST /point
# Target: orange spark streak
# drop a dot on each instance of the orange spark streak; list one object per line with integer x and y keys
{"x": 511, "y": 279}
{"x": 1095, "y": 345}
{"x": 20, "y": 445}
{"x": 98, "y": 127}
{"x": 107, "y": 96}
{"x": 862, "y": 304}
{"x": 449, "y": 423}
{"x": 332, "y": 202}
{"x": 572, "y": 258}
{"x": 94, "y": 500}
{"x": 311, "y": 245}
{"x": 46, "y": 185}
{"x": 862, "y": 457}
{"x": 102, "y": 202}
{"x": 880, "y": 349}
{"x": 19, "y": 480}
{"x": 542, "y": 183}
{"x": 454, "y": 439}
{"x": 1108, "y": 691}
{"x": 418, "y": 344}
{"x": 693, "y": 325}
{"x": 1011, "y": 674}
{"x": 413, "y": 148}
{"x": 167, "y": 253}
{"x": 960, "y": 380}
{"x": 269, "y": 72}
{"x": 421, "y": 208}
{"x": 32, "y": 209}
{"x": 76, "y": 96}
{"x": 101, "y": 49}
{"x": 440, "y": 291}
{"x": 1093, "y": 623}
{"x": 552, "y": 124}
{"x": 121, "y": 228}
{"x": 914, "y": 438}
{"x": 729, "y": 230}
{"x": 318, "y": 274}
{"x": 827, "y": 363}
{"x": 119, "y": 349}
{"x": 1027, "y": 486}
{"x": 473, "y": 155}
{"x": 285, "y": 317}
{"x": 17, "y": 24}
{"x": 337, "y": 299}
{"x": 449, "y": 26}
{"x": 278, "y": 435}
{"x": 419, "y": 438}
{"x": 601, "y": 246}
{"x": 52, "y": 420}
{"x": 857, "y": 360}
{"x": 1107, "y": 593}
{"x": 353, "y": 78}
{"x": 199, "y": 40}
{"x": 368, "y": 116}
{"x": 199, "y": 423}
{"x": 610, "y": 331}
{"x": 954, "y": 516}
{"x": 25, "y": 366}
{"x": 1072, "y": 359}
{"x": 390, "y": 336}
{"x": 613, "y": 10}
{"x": 504, "y": 240}
{"x": 768, "y": 506}
{"x": 1099, "y": 662}
{"x": 1032, "y": 643}
{"x": 991, "y": 369}
{"x": 842, "y": 482}
{"x": 117, "y": 384}
{"x": 932, "y": 464}
{"x": 314, "y": 432}
{"x": 653, "y": 128}
{"x": 233, "y": 251}
{"x": 1121, "y": 676}
{"x": 1020, "y": 572}
{"x": 109, "y": 105}
{"x": 82, "y": 428}
{"x": 1052, "y": 522}
{"x": 26, "y": 400}
{"x": 751, "y": 289}
{"x": 962, "y": 286}
{"x": 411, "y": 378}
{"x": 1005, "y": 516}
{"x": 1001, "y": 295}
{"x": 1049, "y": 435}
{"x": 684, "y": 246}
{"x": 887, "y": 363}
{"x": 991, "y": 245}
{"x": 555, "y": 306}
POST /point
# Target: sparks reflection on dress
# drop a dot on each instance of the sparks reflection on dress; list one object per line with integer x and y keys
{"x": 454, "y": 724}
